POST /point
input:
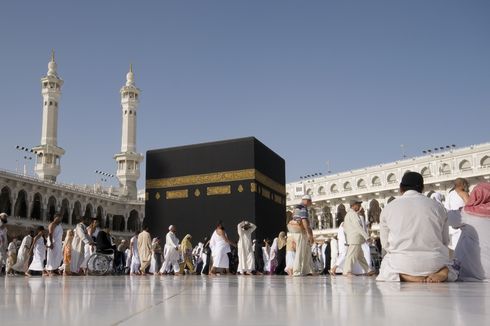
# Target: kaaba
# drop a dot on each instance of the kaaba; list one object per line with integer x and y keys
{"x": 193, "y": 187}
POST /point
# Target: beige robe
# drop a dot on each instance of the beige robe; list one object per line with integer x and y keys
{"x": 356, "y": 236}
{"x": 144, "y": 249}
{"x": 303, "y": 262}
{"x": 80, "y": 238}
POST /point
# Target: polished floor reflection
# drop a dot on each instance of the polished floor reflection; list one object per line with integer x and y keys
{"x": 246, "y": 300}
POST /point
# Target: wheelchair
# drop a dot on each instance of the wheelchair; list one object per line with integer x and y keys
{"x": 101, "y": 262}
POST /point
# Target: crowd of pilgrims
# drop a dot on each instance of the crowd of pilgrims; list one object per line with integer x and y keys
{"x": 43, "y": 252}
{"x": 421, "y": 239}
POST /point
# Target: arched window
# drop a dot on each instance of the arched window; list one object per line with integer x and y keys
{"x": 425, "y": 172}
{"x": 445, "y": 169}
{"x": 20, "y": 208}
{"x": 65, "y": 211}
{"x": 99, "y": 213}
{"x": 334, "y": 188}
{"x": 347, "y": 186}
{"x": 5, "y": 201}
{"x": 321, "y": 190}
{"x": 133, "y": 221}
{"x": 485, "y": 161}
{"x": 391, "y": 178}
{"x": 361, "y": 184}
{"x": 76, "y": 215}
{"x": 36, "y": 213}
{"x": 118, "y": 223}
{"x": 51, "y": 208}
{"x": 88, "y": 211}
{"x": 465, "y": 165}
{"x": 376, "y": 181}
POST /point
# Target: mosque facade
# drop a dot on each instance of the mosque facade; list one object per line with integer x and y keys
{"x": 31, "y": 201}
{"x": 377, "y": 185}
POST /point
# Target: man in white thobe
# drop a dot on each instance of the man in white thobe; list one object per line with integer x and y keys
{"x": 55, "y": 245}
{"x": 246, "y": 259}
{"x": 23, "y": 254}
{"x": 356, "y": 237}
{"x": 80, "y": 239}
{"x": 414, "y": 234}
{"x": 171, "y": 260}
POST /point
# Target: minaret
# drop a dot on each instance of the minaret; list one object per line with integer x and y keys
{"x": 128, "y": 160}
{"x": 48, "y": 153}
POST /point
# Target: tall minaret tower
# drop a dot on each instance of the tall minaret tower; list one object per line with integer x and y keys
{"x": 128, "y": 160}
{"x": 48, "y": 153}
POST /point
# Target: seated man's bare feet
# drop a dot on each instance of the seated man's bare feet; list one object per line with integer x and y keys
{"x": 439, "y": 276}
{"x": 413, "y": 279}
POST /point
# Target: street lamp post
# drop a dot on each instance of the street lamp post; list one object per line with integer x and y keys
{"x": 104, "y": 176}
{"x": 27, "y": 157}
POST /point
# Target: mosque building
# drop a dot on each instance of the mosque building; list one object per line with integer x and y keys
{"x": 33, "y": 201}
{"x": 377, "y": 185}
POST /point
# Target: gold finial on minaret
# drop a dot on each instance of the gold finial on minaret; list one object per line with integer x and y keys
{"x": 130, "y": 67}
{"x": 52, "y": 55}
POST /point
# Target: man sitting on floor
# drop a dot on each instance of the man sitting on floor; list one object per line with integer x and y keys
{"x": 414, "y": 233}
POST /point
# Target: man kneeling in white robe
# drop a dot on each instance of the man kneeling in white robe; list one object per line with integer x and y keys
{"x": 414, "y": 232}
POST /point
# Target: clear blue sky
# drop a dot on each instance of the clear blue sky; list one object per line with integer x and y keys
{"x": 339, "y": 81}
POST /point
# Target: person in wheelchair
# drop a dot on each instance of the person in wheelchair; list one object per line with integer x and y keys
{"x": 106, "y": 246}
{"x": 104, "y": 243}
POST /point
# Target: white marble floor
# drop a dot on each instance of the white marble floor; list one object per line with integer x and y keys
{"x": 232, "y": 300}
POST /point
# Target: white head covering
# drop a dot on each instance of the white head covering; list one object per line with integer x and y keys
{"x": 170, "y": 227}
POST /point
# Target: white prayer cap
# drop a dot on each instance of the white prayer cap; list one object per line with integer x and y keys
{"x": 170, "y": 227}
{"x": 306, "y": 197}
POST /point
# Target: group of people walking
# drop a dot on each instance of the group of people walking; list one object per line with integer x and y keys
{"x": 415, "y": 240}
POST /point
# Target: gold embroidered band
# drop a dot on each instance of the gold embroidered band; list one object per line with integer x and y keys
{"x": 218, "y": 177}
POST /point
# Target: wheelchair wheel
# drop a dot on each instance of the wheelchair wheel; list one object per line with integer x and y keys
{"x": 99, "y": 264}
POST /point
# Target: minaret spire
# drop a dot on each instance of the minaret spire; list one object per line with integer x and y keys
{"x": 130, "y": 76}
{"x": 128, "y": 160}
{"x": 52, "y": 66}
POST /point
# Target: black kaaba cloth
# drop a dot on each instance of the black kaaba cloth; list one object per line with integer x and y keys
{"x": 195, "y": 186}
